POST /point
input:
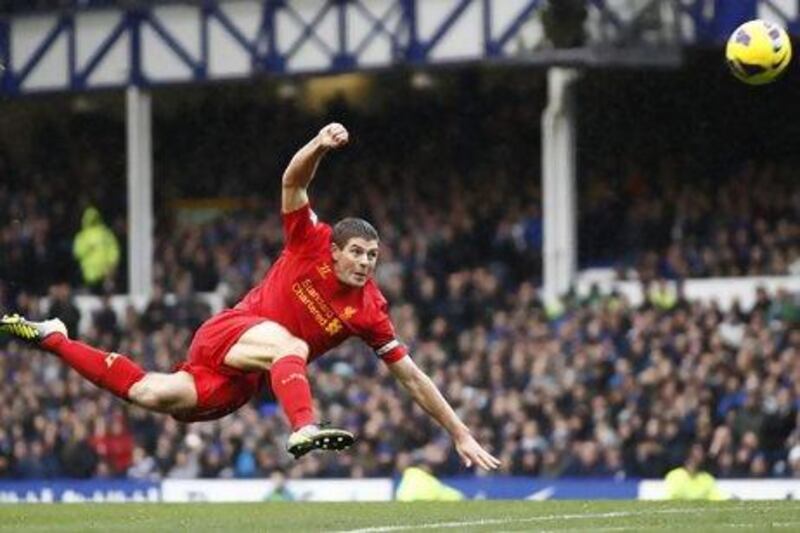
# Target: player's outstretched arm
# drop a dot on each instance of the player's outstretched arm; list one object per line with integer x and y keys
{"x": 427, "y": 396}
{"x": 303, "y": 166}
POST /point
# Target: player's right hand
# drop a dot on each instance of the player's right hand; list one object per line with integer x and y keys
{"x": 333, "y": 136}
{"x": 473, "y": 453}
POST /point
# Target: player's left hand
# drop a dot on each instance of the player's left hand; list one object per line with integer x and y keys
{"x": 334, "y": 135}
{"x": 473, "y": 453}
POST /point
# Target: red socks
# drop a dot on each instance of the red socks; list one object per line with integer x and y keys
{"x": 291, "y": 388}
{"x": 108, "y": 370}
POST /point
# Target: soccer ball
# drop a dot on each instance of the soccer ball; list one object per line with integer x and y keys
{"x": 758, "y": 51}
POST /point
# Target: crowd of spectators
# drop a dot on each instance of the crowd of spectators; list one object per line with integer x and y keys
{"x": 745, "y": 225}
{"x": 689, "y": 191}
{"x": 455, "y": 180}
{"x": 450, "y": 178}
{"x": 597, "y": 389}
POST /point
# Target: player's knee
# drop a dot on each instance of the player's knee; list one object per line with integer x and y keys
{"x": 145, "y": 394}
{"x": 158, "y": 393}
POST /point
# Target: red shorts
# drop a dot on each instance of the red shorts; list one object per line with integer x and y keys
{"x": 221, "y": 389}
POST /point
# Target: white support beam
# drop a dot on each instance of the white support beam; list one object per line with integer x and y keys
{"x": 140, "y": 191}
{"x": 558, "y": 182}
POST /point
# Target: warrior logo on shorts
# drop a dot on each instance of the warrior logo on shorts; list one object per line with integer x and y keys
{"x": 110, "y": 358}
{"x": 348, "y": 312}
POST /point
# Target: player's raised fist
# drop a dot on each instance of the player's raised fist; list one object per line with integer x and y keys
{"x": 333, "y": 135}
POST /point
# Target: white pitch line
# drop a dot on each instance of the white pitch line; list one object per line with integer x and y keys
{"x": 639, "y": 528}
{"x": 595, "y": 529}
{"x": 501, "y": 521}
{"x": 752, "y": 525}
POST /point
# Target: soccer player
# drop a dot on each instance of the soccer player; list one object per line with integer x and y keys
{"x": 317, "y": 294}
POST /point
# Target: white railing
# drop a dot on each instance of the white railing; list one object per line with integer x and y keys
{"x": 725, "y": 291}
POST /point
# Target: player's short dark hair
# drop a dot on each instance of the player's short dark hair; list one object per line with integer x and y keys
{"x": 349, "y": 228}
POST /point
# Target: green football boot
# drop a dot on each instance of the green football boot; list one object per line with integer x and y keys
{"x": 29, "y": 331}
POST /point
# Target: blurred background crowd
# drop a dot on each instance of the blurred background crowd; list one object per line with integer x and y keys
{"x": 448, "y": 171}
{"x": 597, "y": 389}
{"x": 449, "y": 174}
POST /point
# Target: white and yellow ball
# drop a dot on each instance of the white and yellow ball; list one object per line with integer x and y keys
{"x": 758, "y": 52}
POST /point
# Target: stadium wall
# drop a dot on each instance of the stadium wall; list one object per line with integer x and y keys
{"x": 723, "y": 290}
{"x": 382, "y": 489}
{"x": 88, "y": 304}
{"x": 740, "y": 489}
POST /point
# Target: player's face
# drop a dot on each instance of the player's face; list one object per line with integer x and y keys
{"x": 355, "y": 263}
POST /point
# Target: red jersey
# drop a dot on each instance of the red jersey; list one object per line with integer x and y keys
{"x": 302, "y": 293}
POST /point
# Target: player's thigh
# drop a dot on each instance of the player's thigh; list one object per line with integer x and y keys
{"x": 166, "y": 393}
{"x": 261, "y": 345}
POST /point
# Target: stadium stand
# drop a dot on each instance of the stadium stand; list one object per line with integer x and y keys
{"x": 650, "y": 217}
{"x": 600, "y": 390}
{"x": 596, "y": 389}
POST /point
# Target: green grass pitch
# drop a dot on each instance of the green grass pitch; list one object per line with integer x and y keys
{"x": 494, "y": 516}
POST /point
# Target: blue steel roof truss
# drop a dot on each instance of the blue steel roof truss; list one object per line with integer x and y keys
{"x": 380, "y": 25}
{"x": 309, "y": 30}
{"x": 494, "y": 47}
{"x": 396, "y": 21}
{"x": 793, "y": 25}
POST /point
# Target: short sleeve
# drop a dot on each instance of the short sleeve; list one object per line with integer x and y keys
{"x": 381, "y": 337}
{"x": 301, "y": 229}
